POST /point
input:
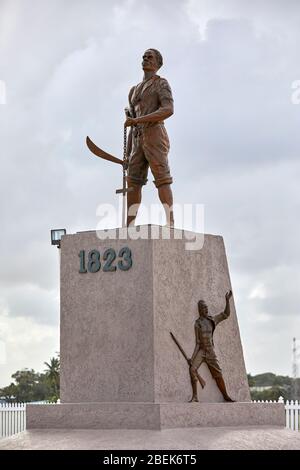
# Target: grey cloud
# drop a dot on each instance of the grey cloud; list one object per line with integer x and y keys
{"x": 234, "y": 136}
{"x": 28, "y": 300}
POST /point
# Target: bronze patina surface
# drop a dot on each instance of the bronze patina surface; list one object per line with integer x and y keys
{"x": 204, "y": 349}
{"x": 150, "y": 103}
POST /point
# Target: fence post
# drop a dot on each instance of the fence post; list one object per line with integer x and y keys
{"x": 12, "y": 418}
{"x": 296, "y": 415}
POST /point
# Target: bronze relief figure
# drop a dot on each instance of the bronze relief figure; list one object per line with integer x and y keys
{"x": 204, "y": 349}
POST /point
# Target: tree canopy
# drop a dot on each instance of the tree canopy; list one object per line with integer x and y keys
{"x": 31, "y": 386}
{"x": 276, "y": 386}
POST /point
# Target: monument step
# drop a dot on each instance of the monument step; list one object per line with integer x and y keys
{"x": 153, "y": 415}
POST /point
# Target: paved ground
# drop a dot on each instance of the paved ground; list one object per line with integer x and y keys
{"x": 243, "y": 438}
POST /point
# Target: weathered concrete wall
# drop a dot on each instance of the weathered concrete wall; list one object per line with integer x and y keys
{"x": 115, "y": 340}
{"x": 181, "y": 279}
{"x": 106, "y": 325}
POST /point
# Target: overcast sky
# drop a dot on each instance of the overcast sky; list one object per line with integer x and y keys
{"x": 67, "y": 67}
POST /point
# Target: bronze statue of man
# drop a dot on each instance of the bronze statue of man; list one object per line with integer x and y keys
{"x": 150, "y": 103}
{"x": 204, "y": 350}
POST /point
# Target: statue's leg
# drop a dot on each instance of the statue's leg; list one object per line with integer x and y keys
{"x": 216, "y": 372}
{"x": 194, "y": 388}
{"x": 197, "y": 361}
{"x": 134, "y": 198}
{"x": 222, "y": 387}
{"x": 137, "y": 177}
{"x": 156, "y": 148}
{"x": 166, "y": 198}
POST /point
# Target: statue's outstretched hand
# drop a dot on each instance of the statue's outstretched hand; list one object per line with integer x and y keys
{"x": 228, "y": 295}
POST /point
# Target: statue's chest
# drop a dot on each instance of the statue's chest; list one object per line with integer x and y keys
{"x": 205, "y": 326}
{"x": 144, "y": 95}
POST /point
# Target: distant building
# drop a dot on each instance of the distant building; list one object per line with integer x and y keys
{"x": 261, "y": 388}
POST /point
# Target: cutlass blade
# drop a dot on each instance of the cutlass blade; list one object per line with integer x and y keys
{"x": 101, "y": 153}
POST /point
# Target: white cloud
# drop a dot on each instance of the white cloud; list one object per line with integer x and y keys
{"x": 258, "y": 292}
{"x": 26, "y": 344}
{"x": 276, "y": 16}
{"x": 2, "y": 353}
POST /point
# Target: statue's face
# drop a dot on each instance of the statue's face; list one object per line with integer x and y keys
{"x": 202, "y": 308}
{"x": 149, "y": 61}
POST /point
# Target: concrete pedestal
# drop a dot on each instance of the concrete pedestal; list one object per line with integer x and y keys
{"x": 153, "y": 416}
{"x": 119, "y": 363}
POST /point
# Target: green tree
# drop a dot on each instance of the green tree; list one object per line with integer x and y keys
{"x": 263, "y": 380}
{"x": 251, "y": 381}
{"x": 29, "y": 386}
{"x": 53, "y": 375}
{"x": 279, "y": 385}
{"x": 9, "y": 393}
{"x": 270, "y": 394}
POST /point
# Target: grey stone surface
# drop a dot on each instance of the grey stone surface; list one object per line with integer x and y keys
{"x": 94, "y": 416}
{"x": 115, "y": 341}
{"x": 180, "y": 279}
{"x": 221, "y": 438}
{"x": 174, "y": 415}
{"x": 152, "y": 415}
{"x": 106, "y": 325}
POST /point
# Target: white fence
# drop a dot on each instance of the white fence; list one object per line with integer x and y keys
{"x": 13, "y": 416}
{"x": 292, "y": 411}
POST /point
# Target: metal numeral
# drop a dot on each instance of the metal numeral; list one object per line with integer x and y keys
{"x": 109, "y": 256}
{"x": 126, "y": 262}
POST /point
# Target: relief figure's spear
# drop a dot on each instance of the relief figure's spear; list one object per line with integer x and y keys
{"x": 201, "y": 380}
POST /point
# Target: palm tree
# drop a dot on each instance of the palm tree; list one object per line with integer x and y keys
{"x": 52, "y": 372}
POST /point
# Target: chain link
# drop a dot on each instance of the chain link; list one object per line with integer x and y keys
{"x": 124, "y": 150}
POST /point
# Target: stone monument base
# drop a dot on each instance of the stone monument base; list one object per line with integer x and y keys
{"x": 121, "y": 296}
{"x": 153, "y": 415}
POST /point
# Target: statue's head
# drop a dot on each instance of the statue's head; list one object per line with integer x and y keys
{"x": 152, "y": 60}
{"x": 202, "y": 308}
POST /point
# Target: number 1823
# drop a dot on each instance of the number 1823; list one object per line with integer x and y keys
{"x": 94, "y": 261}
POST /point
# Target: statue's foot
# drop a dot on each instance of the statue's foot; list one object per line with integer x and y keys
{"x": 228, "y": 399}
{"x": 194, "y": 399}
